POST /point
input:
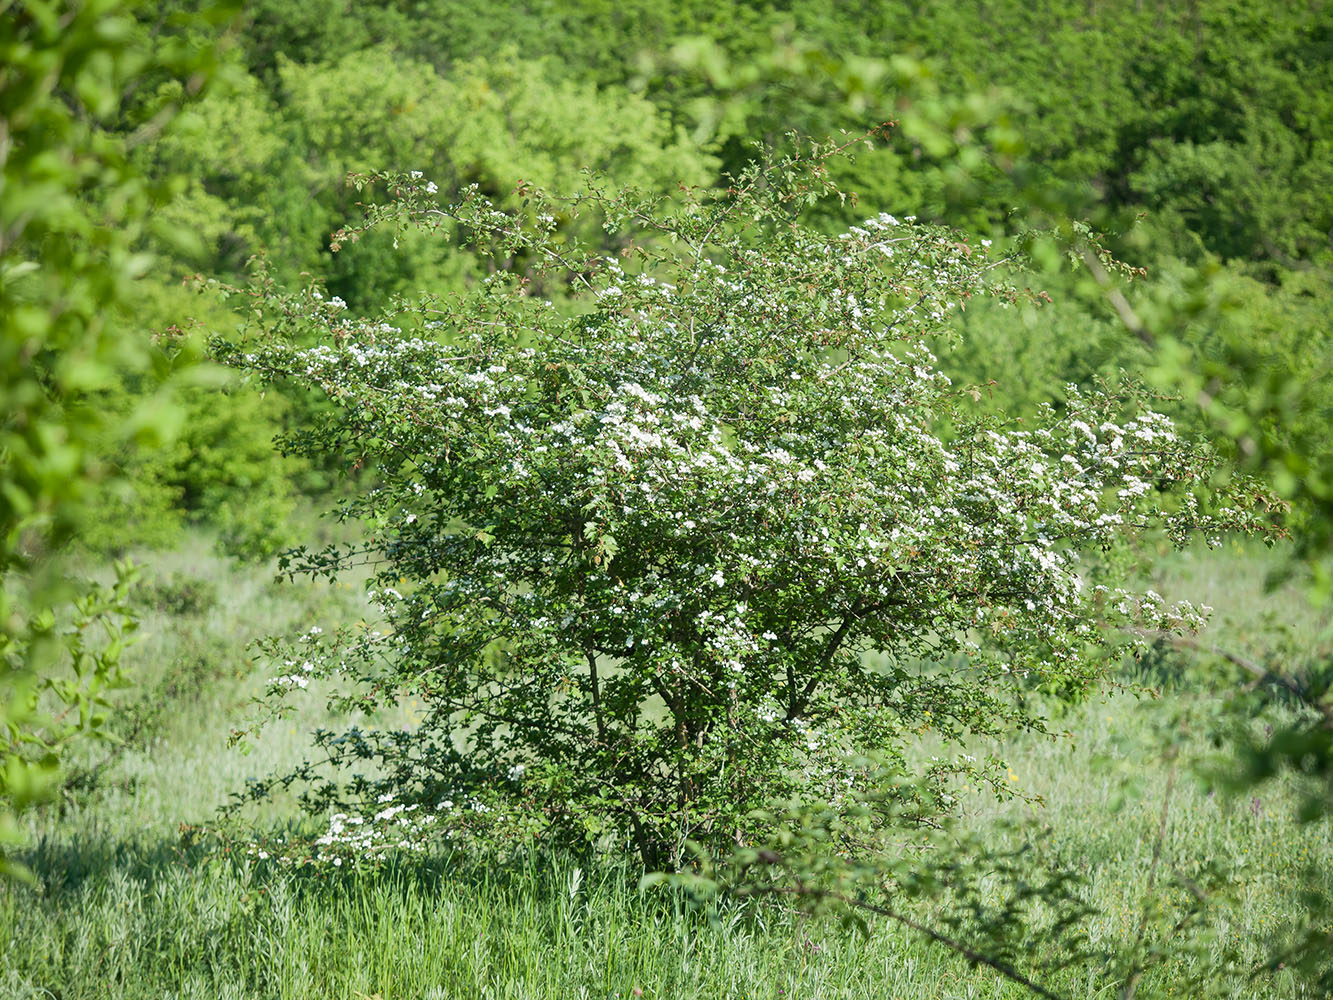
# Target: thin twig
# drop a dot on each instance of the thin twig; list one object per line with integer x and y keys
{"x": 971, "y": 954}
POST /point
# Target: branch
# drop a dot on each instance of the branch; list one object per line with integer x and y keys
{"x": 1258, "y": 671}
{"x": 1123, "y": 309}
{"x": 834, "y": 642}
{"x": 972, "y": 955}
{"x": 596, "y": 696}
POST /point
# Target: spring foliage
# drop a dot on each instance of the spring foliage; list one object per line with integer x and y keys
{"x": 710, "y": 531}
{"x": 74, "y": 213}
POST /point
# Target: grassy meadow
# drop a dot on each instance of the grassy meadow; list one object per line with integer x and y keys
{"x": 132, "y": 902}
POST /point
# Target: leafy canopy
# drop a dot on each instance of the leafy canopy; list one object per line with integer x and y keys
{"x": 74, "y": 214}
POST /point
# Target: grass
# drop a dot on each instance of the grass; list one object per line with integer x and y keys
{"x": 130, "y": 906}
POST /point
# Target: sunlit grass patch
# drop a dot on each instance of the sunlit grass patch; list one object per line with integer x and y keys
{"x": 133, "y": 905}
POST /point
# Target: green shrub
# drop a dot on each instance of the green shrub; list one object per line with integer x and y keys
{"x": 632, "y": 554}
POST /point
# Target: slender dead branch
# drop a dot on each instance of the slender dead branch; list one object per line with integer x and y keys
{"x": 953, "y": 944}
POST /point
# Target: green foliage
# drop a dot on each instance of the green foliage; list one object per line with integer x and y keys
{"x": 238, "y": 192}
{"x": 497, "y": 124}
{"x": 70, "y": 656}
{"x": 1259, "y": 364}
{"x": 73, "y": 213}
{"x": 1211, "y": 118}
{"x": 219, "y": 471}
{"x": 267, "y": 170}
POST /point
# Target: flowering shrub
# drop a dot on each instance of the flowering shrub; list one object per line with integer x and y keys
{"x": 663, "y": 537}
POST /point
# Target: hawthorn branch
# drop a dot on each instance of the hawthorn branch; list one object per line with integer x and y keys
{"x": 835, "y": 641}
{"x": 1260, "y": 673}
{"x": 596, "y": 695}
{"x": 953, "y": 944}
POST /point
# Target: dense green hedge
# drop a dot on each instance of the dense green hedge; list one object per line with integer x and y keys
{"x": 1210, "y": 120}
